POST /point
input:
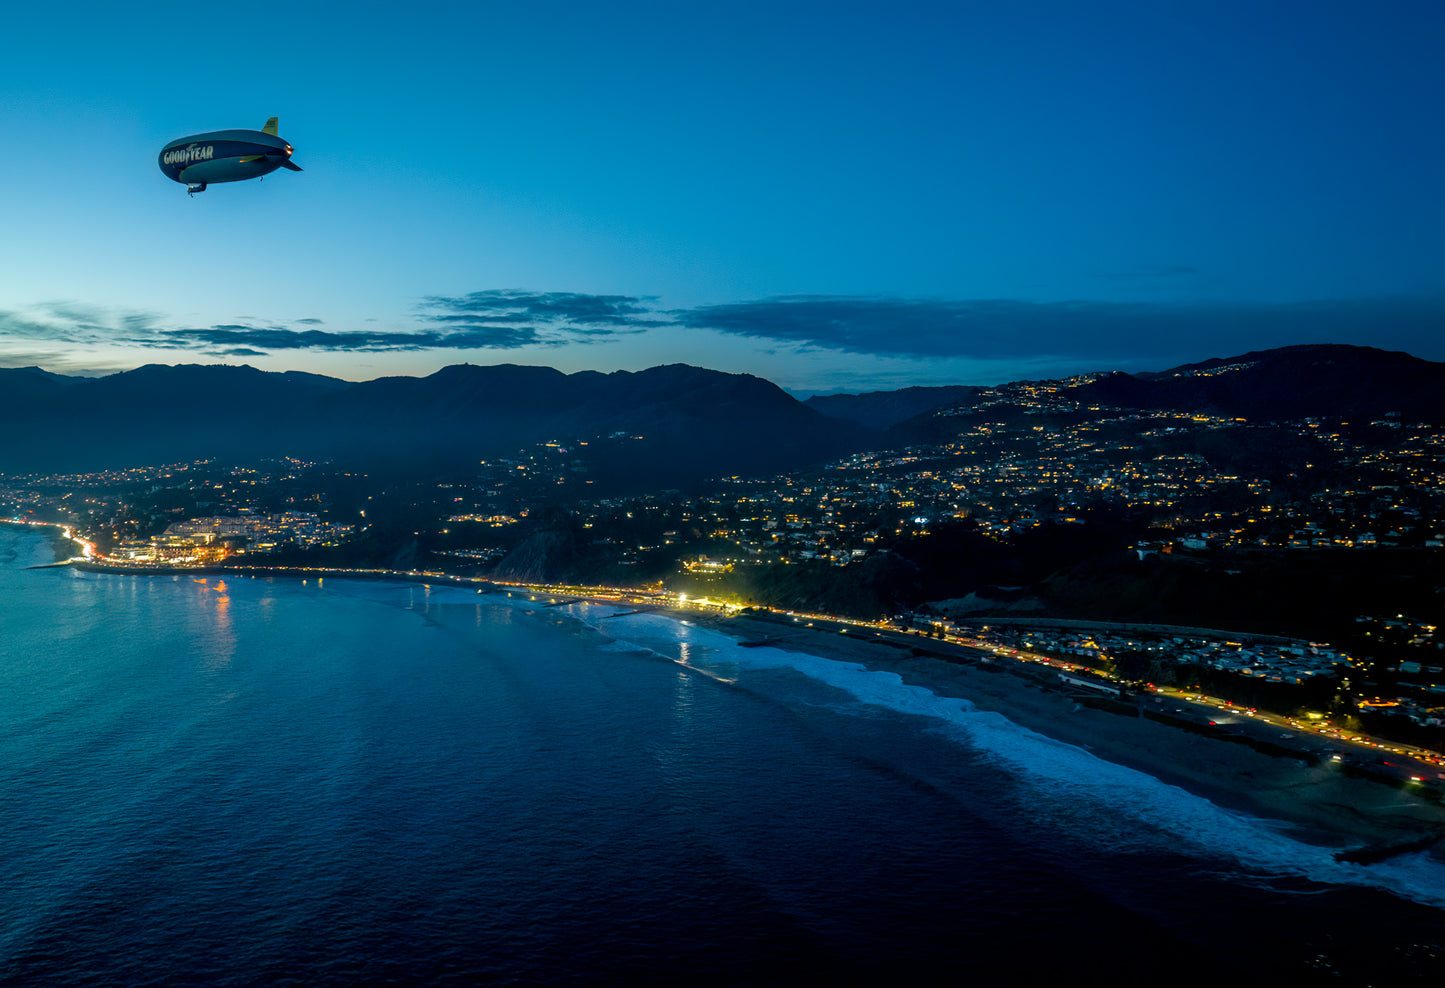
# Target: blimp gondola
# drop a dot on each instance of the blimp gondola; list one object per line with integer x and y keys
{"x": 225, "y": 156}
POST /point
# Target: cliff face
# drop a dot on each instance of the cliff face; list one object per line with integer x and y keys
{"x": 546, "y": 557}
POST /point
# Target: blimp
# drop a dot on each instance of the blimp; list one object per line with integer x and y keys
{"x": 225, "y": 156}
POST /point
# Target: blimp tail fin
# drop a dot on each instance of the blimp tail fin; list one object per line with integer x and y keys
{"x": 271, "y": 127}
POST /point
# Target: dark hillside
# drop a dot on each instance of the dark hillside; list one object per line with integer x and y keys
{"x": 1289, "y": 383}
{"x": 884, "y": 409}
{"x": 681, "y": 422}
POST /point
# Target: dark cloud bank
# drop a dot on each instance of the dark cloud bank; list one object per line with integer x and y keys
{"x": 990, "y": 329}
{"x": 504, "y": 320}
{"x": 489, "y": 320}
{"x": 1110, "y": 334}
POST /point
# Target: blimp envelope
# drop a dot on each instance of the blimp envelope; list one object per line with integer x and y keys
{"x": 225, "y": 156}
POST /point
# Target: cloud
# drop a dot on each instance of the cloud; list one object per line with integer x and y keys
{"x": 984, "y": 328}
{"x": 260, "y": 339}
{"x": 64, "y": 323}
{"x": 509, "y": 318}
{"x": 573, "y": 308}
{"x": 76, "y": 314}
{"x": 15, "y": 325}
{"x": 990, "y": 333}
{"x": 139, "y": 322}
{"x": 994, "y": 329}
{"x": 483, "y": 320}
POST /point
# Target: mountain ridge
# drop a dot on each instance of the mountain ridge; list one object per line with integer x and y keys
{"x": 690, "y": 421}
{"x": 686, "y": 422}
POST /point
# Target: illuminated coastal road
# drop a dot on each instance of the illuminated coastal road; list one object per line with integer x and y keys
{"x": 1393, "y": 759}
{"x": 1402, "y": 763}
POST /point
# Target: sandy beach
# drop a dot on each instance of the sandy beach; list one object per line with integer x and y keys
{"x": 1322, "y": 803}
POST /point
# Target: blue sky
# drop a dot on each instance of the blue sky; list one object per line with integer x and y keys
{"x": 837, "y": 197}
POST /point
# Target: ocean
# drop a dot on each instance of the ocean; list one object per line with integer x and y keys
{"x": 239, "y": 781}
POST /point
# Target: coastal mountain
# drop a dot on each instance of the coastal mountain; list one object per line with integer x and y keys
{"x": 1331, "y": 381}
{"x": 883, "y": 409}
{"x": 1315, "y": 380}
{"x": 670, "y": 424}
{"x": 1328, "y": 380}
{"x": 662, "y": 427}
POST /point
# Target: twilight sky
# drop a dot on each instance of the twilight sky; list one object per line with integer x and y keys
{"x": 835, "y": 196}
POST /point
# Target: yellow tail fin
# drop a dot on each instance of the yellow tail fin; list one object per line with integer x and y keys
{"x": 270, "y": 127}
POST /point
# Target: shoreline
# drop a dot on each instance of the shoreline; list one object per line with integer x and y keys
{"x": 1323, "y": 804}
{"x": 59, "y": 535}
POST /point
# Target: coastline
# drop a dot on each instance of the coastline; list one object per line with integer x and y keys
{"x": 61, "y": 536}
{"x": 1321, "y": 803}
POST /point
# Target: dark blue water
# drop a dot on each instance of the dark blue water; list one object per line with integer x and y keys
{"x": 239, "y": 781}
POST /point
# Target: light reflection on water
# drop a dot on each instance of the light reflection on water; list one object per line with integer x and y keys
{"x": 264, "y": 781}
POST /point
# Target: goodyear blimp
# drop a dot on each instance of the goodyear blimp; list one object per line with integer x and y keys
{"x": 225, "y": 156}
